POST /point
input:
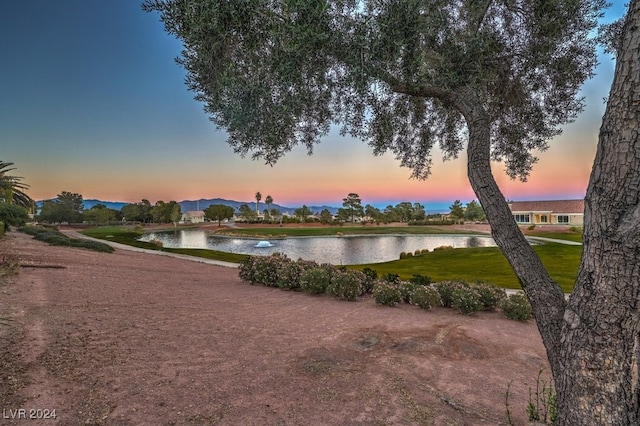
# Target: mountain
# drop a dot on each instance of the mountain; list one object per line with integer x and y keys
{"x": 192, "y": 205}
{"x": 201, "y": 204}
{"x": 116, "y": 205}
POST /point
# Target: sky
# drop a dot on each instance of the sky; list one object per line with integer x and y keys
{"x": 92, "y": 102}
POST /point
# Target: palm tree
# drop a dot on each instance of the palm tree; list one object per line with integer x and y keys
{"x": 268, "y": 201}
{"x": 258, "y": 198}
{"x": 11, "y": 187}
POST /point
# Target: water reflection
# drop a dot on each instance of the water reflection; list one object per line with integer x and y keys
{"x": 344, "y": 250}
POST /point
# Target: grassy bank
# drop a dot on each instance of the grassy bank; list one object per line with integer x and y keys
{"x": 128, "y": 235}
{"x": 484, "y": 264}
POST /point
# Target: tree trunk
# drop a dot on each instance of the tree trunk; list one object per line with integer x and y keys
{"x": 593, "y": 342}
{"x": 546, "y": 297}
{"x": 599, "y": 354}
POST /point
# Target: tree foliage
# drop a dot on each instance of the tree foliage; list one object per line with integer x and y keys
{"x": 101, "y": 215}
{"x": 12, "y": 188}
{"x": 12, "y": 215}
{"x": 457, "y": 210}
{"x": 137, "y": 212}
{"x": 67, "y": 207}
{"x": 394, "y": 73}
{"x": 218, "y": 212}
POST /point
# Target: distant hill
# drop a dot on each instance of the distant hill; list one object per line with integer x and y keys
{"x": 116, "y": 205}
{"x": 189, "y": 205}
{"x": 192, "y": 205}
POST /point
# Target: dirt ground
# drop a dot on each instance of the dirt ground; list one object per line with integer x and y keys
{"x": 138, "y": 339}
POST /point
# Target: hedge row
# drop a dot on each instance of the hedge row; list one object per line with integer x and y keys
{"x": 57, "y": 238}
{"x": 310, "y": 277}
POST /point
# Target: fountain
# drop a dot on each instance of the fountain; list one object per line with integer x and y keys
{"x": 263, "y": 244}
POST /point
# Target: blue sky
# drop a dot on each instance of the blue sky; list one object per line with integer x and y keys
{"x": 91, "y": 101}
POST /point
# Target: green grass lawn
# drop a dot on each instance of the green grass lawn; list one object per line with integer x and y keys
{"x": 469, "y": 264}
{"x": 483, "y": 264}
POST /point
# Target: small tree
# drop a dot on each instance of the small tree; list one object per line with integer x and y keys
{"x": 474, "y": 212}
{"x": 247, "y": 213}
{"x": 457, "y": 210}
{"x": 353, "y": 206}
{"x": 218, "y": 212}
{"x": 326, "y": 216}
{"x": 268, "y": 201}
{"x": 258, "y": 198}
{"x": 303, "y": 213}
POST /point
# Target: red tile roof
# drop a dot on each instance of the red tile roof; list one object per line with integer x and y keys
{"x": 553, "y": 206}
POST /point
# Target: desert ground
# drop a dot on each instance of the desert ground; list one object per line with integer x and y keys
{"x": 132, "y": 338}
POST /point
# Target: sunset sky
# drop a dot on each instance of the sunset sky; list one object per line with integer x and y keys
{"x": 91, "y": 101}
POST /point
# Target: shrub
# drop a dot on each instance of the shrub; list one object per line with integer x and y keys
{"x": 531, "y": 227}
{"x": 316, "y": 280}
{"x": 406, "y": 289}
{"x": 443, "y": 248}
{"x": 157, "y": 243}
{"x": 370, "y": 276}
{"x": 346, "y": 285}
{"x": 466, "y": 299}
{"x": 516, "y": 307}
{"x": 92, "y": 245}
{"x": 426, "y": 297}
{"x": 445, "y": 290}
{"x": 263, "y": 269}
{"x": 417, "y": 252}
{"x": 289, "y": 275}
{"x": 386, "y": 293}
{"x": 490, "y": 295}
{"x": 418, "y": 279}
{"x": 392, "y": 278}
{"x": 403, "y": 255}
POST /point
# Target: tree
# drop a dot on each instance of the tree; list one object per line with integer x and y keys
{"x": 268, "y": 201}
{"x": 457, "y": 210}
{"x": 12, "y": 215}
{"x": 373, "y": 212}
{"x": 137, "y": 212}
{"x": 67, "y": 207}
{"x": 218, "y": 212}
{"x": 246, "y": 212}
{"x": 474, "y": 212}
{"x": 353, "y": 206}
{"x": 302, "y": 213}
{"x": 326, "y": 216}
{"x": 502, "y": 76}
{"x": 418, "y": 212}
{"x": 258, "y": 198}
{"x": 12, "y": 189}
{"x": 100, "y": 214}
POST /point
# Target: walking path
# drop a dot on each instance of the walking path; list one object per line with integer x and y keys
{"x": 75, "y": 234}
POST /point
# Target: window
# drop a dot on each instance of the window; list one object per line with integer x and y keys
{"x": 543, "y": 218}
{"x": 563, "y": 219}
{"x": 522, "y": 218}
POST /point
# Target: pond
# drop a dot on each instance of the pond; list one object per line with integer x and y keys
{"x": 339, "y": 250}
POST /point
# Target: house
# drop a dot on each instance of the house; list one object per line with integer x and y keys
{"x": 196, "y": 216}
{"x": 554, "y": 212}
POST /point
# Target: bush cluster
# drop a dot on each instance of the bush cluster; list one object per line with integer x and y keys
{"x": 280, "y": 271}
{"x": 57, "y": 238}
{"x": 516, "y": 307}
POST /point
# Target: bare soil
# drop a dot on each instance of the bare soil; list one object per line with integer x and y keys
{"x": 132, "y": 338}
